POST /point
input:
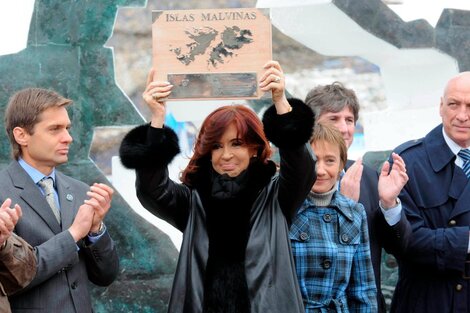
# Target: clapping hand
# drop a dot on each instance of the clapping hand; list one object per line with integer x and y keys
{"x": 392, "y": 181}
{"x": 350, "y": 185}
{"x": 8, "y": 219}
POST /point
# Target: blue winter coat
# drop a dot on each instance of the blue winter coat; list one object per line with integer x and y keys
{"x": 436, "y": 199}
{"x": 331, "y": 250}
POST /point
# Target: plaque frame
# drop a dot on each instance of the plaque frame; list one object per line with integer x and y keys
{"x": 211, "y": 53}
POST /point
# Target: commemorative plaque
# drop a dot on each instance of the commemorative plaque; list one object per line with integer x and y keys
{"x": 213, "y": 53}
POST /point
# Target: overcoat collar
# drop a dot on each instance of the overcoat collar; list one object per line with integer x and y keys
{"x": 437, "y": 149}
{"x": 441, "y": 156}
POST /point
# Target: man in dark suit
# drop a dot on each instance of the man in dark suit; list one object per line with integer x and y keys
{"x": 434, "y": 272}
{"x": 17, "y": 259}
{"x": 62, "y": 217}
{"x": 388, "y": 228}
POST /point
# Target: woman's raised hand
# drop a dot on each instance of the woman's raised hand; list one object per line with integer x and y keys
{"x": 273, "y": 80}
{"x": 155, "y": 95}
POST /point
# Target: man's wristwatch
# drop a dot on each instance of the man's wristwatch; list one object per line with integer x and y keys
{"x": 397, "y": 203}
{"x": 98, "y": 233}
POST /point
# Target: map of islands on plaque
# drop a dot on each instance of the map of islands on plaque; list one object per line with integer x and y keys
{"x": 213, "y": 53}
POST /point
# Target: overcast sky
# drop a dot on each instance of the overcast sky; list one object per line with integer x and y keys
{"x": 16, "y": 15}
{"x": 427, "y": 9}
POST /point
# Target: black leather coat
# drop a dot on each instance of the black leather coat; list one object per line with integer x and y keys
{"x": 269, "y": 267}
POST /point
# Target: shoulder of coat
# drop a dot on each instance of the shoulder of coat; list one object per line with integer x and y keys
{"x": 408, "y": 145}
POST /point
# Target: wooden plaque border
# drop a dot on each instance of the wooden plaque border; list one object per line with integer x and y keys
{"x": 219, "y": 49}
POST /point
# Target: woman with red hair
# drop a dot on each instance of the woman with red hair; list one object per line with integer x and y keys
{"x": 232, "y": 206}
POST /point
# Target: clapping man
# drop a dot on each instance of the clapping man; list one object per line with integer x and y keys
{"x": 62, "y": 217}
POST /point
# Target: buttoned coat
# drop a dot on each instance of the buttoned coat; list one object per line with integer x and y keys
{"x": 437, "y": 203}
{"x": 64, "y": 268}
{"x": 331, "y": 250}
{"x": 393, "y": 239}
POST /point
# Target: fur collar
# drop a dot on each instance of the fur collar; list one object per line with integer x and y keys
{"x": 290, "y": 130}
{"x": 147, "y": 147}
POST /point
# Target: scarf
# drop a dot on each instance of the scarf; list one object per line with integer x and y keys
{"x": 228, "y": 202}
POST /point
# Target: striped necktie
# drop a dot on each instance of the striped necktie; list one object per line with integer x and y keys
{"x": 465, "y": 155}
{"x": 47, "y": 184}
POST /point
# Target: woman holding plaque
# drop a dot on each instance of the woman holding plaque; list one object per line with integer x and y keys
{"x": 232, "y": 206}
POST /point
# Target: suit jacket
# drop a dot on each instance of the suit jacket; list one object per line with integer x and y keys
{"x": 17, "y": 269}
{"x": 392, "y": 238}
{"x": 64, "y": 267}
{"x": 432, "y": 276}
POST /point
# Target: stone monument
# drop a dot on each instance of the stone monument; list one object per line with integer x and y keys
{"x": 65, "y": 52}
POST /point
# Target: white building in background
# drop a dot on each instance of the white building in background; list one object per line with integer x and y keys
{"x": 413, "y": 79}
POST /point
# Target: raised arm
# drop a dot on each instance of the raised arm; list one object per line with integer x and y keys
{"x": 149, "y": 149}
{"x": 273, "y": 81}
{"x": 288, "y": 124}
{"x": 155, "y": 95}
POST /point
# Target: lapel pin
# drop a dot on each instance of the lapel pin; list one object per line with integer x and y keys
{"x": 69, "y": 197}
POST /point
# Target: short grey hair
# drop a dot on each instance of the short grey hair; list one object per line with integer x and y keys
{"x": 332, "y": 98}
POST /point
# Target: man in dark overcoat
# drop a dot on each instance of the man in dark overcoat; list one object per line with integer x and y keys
{"x": 434, "y": 273}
